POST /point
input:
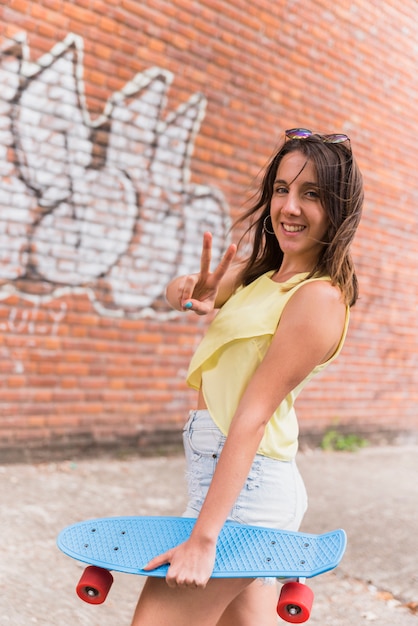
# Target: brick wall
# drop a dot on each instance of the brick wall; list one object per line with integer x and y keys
{"x": 127, "y": 129}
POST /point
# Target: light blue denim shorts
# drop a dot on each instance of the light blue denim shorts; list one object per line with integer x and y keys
{"x": 274, "y": 494}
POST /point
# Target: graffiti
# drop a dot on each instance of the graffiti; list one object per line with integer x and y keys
{"x": 29, "y": 320}
{"x": 100, "y": 206}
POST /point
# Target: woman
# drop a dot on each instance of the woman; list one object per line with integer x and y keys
{"x": 283, "y": 317}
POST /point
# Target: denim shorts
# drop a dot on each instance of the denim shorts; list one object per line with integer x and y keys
{"x": 273, "y": 495}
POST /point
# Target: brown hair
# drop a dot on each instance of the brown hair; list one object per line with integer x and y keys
{"x": 340, "y": 186}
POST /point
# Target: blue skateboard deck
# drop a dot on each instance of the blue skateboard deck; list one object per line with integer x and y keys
{"x": 127, "y": 544}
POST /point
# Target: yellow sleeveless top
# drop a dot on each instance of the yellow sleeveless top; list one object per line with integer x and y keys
{"x": 233, "y": 347}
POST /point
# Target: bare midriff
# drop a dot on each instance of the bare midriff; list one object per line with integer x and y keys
{"x": 201, "y": 404}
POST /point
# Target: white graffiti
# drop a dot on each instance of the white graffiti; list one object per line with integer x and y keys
{"x": 29, "y": 320}
{"x": 104, "y": 206}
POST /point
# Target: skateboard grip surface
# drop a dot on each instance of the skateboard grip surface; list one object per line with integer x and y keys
{"x": 127, "y": 544}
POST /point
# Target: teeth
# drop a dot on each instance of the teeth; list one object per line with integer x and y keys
{"x": 292, "y": 229}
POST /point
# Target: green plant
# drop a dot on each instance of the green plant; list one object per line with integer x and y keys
{"x": 334, "y": 440}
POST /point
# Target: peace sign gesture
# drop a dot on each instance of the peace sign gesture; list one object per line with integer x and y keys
{"x": 199, "y": 292}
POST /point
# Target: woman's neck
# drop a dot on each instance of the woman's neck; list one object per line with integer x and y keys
{"x": 291, "y": 267}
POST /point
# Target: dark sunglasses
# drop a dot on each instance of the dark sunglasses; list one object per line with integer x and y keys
{"x": 304, "y": 133}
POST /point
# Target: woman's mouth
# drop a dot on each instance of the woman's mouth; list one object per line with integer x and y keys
{"x": 292, "y": 228}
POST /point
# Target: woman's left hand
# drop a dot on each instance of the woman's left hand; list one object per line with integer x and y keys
{"x": 191, "y": 564}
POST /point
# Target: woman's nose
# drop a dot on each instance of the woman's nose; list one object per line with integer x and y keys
{"x": 291, "y": 205}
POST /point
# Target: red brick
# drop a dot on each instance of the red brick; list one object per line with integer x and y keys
{"x": 263, "y": 67}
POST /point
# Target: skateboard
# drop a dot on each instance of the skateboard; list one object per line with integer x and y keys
{"x": 127, "y": 544}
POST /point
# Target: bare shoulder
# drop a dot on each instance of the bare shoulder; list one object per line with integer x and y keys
{"x": 316, "y": 316}
{"x": 317, "y": 307}
{"x": 321, "y": 295}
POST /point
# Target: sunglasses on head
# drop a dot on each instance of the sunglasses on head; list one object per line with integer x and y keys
{"x": 304, "y": 133}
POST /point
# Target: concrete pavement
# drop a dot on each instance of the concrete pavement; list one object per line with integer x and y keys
{"x": 372, "y": 493}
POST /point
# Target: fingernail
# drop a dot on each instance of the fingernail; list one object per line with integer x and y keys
{"x": 188, "y": 305}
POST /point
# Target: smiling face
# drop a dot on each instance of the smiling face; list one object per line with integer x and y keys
{"x": 299, "y": 220}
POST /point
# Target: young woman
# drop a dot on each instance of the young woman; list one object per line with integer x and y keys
{"x": 283, "y": 317}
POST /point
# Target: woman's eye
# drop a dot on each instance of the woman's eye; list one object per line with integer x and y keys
{"x": 280, "y": 190}
{"x": 312, "y": 194}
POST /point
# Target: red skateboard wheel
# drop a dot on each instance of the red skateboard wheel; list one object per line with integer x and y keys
{"x": 94, "y": 585}
{"x": 295, "y": 603}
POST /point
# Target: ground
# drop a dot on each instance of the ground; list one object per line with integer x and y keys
{"x": 372, "y": 494}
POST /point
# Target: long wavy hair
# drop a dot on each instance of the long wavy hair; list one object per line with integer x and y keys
{"x": 341, "y": 193}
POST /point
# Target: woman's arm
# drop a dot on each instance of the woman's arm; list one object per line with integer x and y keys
{"x": 308, "y": 334}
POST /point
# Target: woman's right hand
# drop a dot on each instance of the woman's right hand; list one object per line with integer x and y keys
{"x": 191, "y": 564}
{"x": 198, "y": 292}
